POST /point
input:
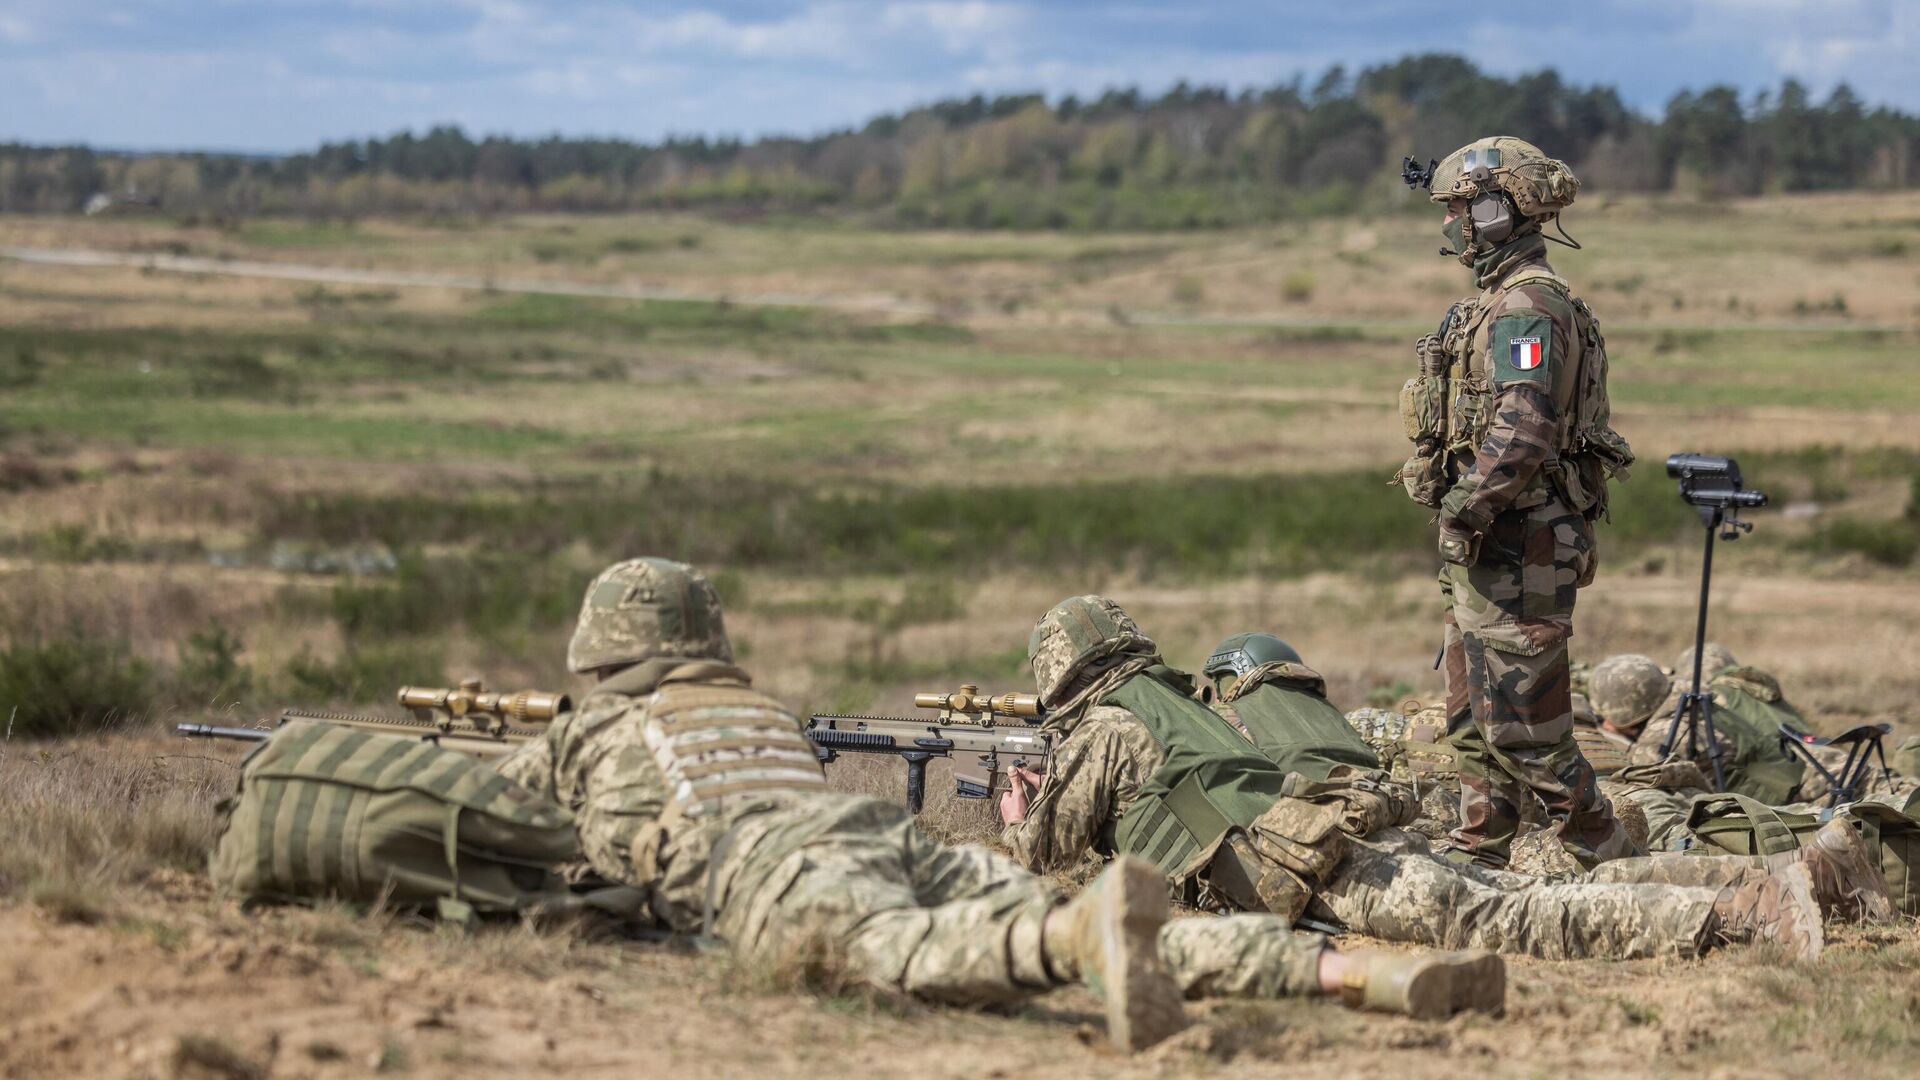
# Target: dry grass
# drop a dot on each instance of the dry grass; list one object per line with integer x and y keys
{"x": 87, "y": 820}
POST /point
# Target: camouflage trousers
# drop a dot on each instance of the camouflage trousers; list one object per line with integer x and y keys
{"x": 849, "y": 880}
{"x": 1242, "y": 956}
{"x": 1509, "y": 695}
{"x": 1390, "y": 886}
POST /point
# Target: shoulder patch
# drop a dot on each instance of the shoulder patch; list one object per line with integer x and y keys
{"x": 1522, "y": 345}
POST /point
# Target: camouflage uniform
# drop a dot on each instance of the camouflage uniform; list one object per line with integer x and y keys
{"x": 1522, "y": 484}
{"x": 1376, "y": 880}
{"x": 690, "y": 785}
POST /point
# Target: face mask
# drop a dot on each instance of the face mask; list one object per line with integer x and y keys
{"x": 1456, "y": 235}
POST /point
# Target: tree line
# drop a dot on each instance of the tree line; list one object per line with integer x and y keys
{"x": 1195, "y": 156}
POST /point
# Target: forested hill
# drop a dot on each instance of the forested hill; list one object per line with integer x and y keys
{"x": 1195, "y": 156}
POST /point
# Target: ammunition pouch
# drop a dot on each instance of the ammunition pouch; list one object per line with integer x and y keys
{"x": 1367, "y": 799}
{"x": 1241, "y": 879}
{"x": 1424, "y": 476}
{"x": 1300, "y": 836}
{"x": 1469, "y": 415}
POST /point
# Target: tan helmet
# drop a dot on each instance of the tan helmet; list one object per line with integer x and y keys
{"x": 1625, "y": 690}
{"x": 1500, "y": 177}
{"x": 1716, "y": 660}
{"x": 1075, "y": 633}
{"x": 1539, "y": 186}
{"x": 643, "y": 608}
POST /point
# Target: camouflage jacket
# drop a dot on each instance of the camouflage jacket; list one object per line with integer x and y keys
{"x": 1522, "y": 346}
{"x": 1096, "y": 773}
{"x": 603, "y": 762}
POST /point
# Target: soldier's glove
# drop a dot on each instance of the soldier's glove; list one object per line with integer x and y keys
{"x": 1458, "y": 545}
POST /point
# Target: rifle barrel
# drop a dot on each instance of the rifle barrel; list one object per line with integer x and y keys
{"x": 215, "y": 731}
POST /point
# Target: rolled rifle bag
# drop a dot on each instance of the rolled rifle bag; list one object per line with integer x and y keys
{"x": 323, "y": 811}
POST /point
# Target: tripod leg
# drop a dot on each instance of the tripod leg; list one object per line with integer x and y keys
{"x": 1705, "y": 705}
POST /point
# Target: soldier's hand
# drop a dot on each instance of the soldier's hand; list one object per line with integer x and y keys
{"x": 1458, "y": 544}
{"x": 1021, "y": 784}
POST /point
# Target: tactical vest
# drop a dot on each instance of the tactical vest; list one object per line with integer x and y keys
{"x": 1447, "y": 409}
{"x": 1289, "y": 719}
{"x": 719, "y": 743}
{"x": 1748, "y": 710}
{"x": 1211, "y": 780}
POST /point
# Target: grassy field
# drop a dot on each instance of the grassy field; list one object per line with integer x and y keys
{"x": 224, "y": 493}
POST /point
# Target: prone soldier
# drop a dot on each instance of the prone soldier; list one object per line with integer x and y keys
{"x": 693, "y": 787}
{"x": 1140, "y": 767}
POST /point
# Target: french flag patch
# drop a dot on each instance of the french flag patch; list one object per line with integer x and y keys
{"x": 1525, "y": 353}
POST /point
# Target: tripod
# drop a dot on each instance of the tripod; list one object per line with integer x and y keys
{"x": 1695, "y": 710}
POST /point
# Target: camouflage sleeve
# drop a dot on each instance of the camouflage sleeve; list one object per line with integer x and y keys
{"x": 1515, "y": 448}
{"x": 1093, "y": 778}
{"x": 531, "y": 764}
{"x": 622, "y": 793}
{"x": 1532, "y": 331}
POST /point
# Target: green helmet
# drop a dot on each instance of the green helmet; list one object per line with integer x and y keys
{"x": 1510, "y": 186}
{"x": 643, "y": 608}
{"x": 1716, "y": 660}
{"x": 1077, "y": 632}
{"x": 1241, "y": 653}
{"x": 1625, "y": 690}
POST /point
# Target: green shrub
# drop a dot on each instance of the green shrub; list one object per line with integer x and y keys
{"x": 209, "y": 670}
{"x": 493, "y": 595}
{"x": 365, "y": 673}
{"x": 1890, "y": 543}
{"x": 71, "y": 684}
{"x": 1298, "y": 286}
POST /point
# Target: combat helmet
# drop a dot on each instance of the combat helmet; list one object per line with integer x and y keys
{"x": 1510, "y": 186}
{"x": 1241, "y": 653}
{"x": 1625, "y": 690}
{"x": 1075, "y": 634}
{"x": 643, "y": 608}
{"x": 1716, "y": 660}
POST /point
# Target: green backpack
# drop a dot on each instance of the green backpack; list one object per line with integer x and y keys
{"x": 1744, "y": 826}
{"x": 327, "y": 811}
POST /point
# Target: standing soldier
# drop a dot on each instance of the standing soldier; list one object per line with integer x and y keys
{"x": 1509, "y": 417}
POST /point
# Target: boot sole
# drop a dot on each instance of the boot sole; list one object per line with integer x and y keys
{"x": 1464, "y": 982}
{"x": 1143, "y": 1004}
{"x": 1863, "y": 891}
{"x": 1805, "y": 915}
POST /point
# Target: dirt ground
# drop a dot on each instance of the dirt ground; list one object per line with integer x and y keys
{"x": 146, "y": 973}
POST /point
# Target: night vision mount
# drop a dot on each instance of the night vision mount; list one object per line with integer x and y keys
{"x": 1714, "y": 488}
{"x": 1417, "y": 178}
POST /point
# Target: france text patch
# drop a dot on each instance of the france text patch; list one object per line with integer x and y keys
{"x": 1522, "y": 344}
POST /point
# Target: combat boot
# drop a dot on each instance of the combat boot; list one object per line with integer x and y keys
{"x": 1846, "y": 882}
{"x": 1108, "y": 937}
{"x": 1426, "y": 986}
{"x": 1779, "y": 908}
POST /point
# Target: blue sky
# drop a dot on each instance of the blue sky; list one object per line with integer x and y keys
{"x": 285, "y": 74}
